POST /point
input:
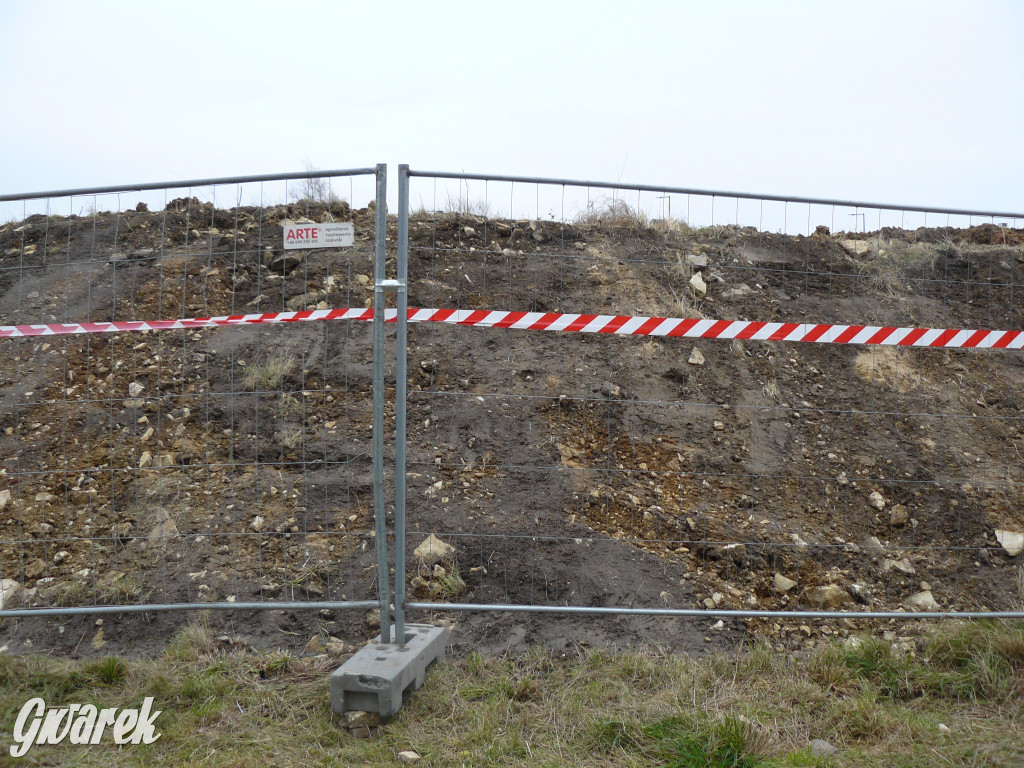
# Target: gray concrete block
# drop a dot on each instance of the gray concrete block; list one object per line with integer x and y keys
{"x": 375, "y": 677}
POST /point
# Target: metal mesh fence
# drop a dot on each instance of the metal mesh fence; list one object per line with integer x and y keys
{"x": 224, "y": 466}
{"x": 612, "y": 471}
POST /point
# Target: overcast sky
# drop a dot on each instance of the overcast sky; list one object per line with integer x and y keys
{"x": 909, "y": 102}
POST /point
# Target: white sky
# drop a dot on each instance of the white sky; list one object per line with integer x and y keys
{"x": 908, "y": 102}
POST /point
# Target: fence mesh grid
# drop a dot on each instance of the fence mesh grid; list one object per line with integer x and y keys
{"x": 186, "y": 466}
{"x": 594, "y": 470}
{"x": 198, "y": 466}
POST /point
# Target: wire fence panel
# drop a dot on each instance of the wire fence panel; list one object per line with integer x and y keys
{"x": 604, "y": 462}
{"x": 195, "y": 465}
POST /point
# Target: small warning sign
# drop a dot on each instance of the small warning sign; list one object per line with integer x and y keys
{"x": 340, "y": 235}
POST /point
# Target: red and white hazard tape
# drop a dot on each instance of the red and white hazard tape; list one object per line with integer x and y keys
{"x": 622, "y": 325}
{"x": 118, "y": 326}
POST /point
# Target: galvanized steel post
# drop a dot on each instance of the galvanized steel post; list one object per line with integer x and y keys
{"x": 401, "y": 352}
{"x": 379, "y": 511}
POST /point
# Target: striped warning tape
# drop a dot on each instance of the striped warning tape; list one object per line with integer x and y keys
{"x": 621, "y": 325}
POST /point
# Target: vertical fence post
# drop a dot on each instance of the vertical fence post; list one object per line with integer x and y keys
{"x": 401, "y": 353}
{"x": 379, "y": 512}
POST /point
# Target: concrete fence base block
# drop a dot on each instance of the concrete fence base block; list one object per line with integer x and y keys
{"x": 377, "y": 676}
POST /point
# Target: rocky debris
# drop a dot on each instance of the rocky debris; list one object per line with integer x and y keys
{"x": 314, "y": 646}
{"x": 856, "y": 247}
{"x": 822, "y": 748}
{"x": 696, "y": 358}
{"x": 135, "y": 389}
{"x": 899, "y": 516}
{"x": 356, "y": 719}
{"x": 874, "y": 546}
{"x": 284, "y": 262}
{"x": 5, "y": 499}
{"x": 145, "y": 459}
{"x": 432, "y": 550}
{"x": 611, "y": 390}
{"x": 537, "y": 233}
{"x": 164, "y": 528}
{"x": 735, "y": 552}
{"x": 1011, "y": 542}
{"x": 738, "y": 291}
{"x": 698, "y": 285}
{"x": 698, "y": 260}
{"x": 782, "y": 584}
{"x": 902, "y": 565}
{"x": 8, "y": 589}
{"x": 336, "y": 648}
{"x": 408, "y": 756}
{"x": 923, "y": 601}
{"x": 943, "y": 728}
{"x": 35, "y": 569}
{"x": 827, "y": 597}
{"x": 257, "y": 523}
{"x": 876, "y": 500}
{"x": 859, "y": 593}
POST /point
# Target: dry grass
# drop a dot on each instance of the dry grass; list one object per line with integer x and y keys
{"x": 269, "y": 374}
{"x": 880, "y": 707}
{"x": 888, "y": 367}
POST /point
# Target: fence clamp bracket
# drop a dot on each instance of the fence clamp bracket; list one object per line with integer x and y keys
{"x": 391, "y": 286}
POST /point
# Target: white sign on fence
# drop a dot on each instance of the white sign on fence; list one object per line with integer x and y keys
{"x": 319, "y": 235}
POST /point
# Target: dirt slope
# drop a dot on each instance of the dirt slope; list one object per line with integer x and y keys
{"x": 565, "y": 468}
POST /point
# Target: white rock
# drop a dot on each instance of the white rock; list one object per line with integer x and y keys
{"x": 698, "y": 260}
{"x": 696, "y": 358}
{"x": 135, "y": 389}
{"x": 874, "y": 545}
{"x": 408, "y": 756}
{"x": 876, "y": 500}
{"x": 902, "y": 565}
{"x": 856, "y": 247}
{"x": 782, "y": 584}
{"x": 700, "y": 288}
{"x": 1011, "y": 541}
{"x": 5, "y": 498}
{"x": 257, "y": 523}
{"x": 923, "y": 601}
{"x": 822, "y": 748}
{"x": 8, "y": 589}
{"x": 433, "y": 550}
{"x": 943, "y": 728}
{"x": 718, "y": 625}
{"x": 737, "y": 292}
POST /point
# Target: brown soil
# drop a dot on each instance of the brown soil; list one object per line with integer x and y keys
{"x": 565, "y": 468}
